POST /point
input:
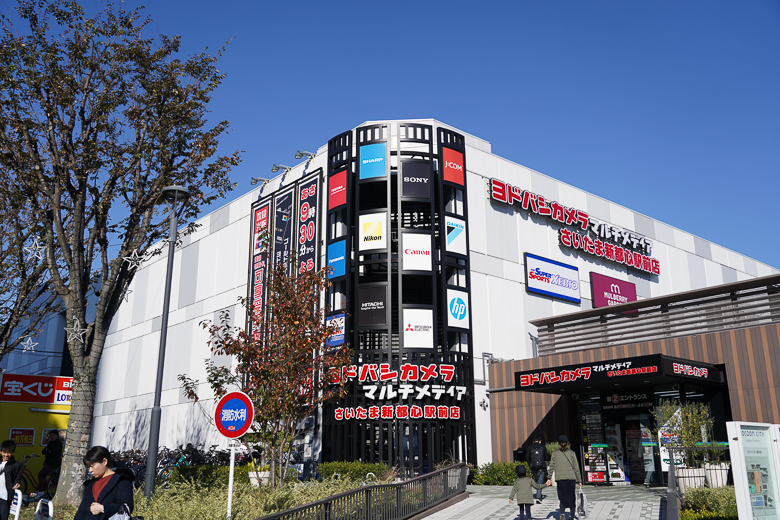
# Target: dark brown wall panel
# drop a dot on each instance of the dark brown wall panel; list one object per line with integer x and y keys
{"x": 751, "y": 357}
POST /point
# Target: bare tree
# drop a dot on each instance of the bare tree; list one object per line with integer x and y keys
{"x": 95, "y": 120}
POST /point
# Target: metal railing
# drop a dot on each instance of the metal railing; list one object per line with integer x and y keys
{"x": 396, "y": 501}
{"x": 726, "y": 307}
{"x": 695, "y": 467}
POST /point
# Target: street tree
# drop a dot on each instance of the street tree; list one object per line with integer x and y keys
{"x": 281, "y": 361}
{"x": 96, "y": 119}
{"x": 26, "y": 299}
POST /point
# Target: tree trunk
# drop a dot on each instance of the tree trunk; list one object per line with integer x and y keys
{"x": 72, "y": 475}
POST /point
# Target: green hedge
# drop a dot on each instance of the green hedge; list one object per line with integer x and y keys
{"x": 705, "y": 515}
{"x": 497, "y": 473}
{"x": 354, "y": 470}
{"x": 720, "y": 501}
{"x": 209, "y": 475}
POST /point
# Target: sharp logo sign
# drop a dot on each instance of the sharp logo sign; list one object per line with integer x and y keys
{"x": 372, "y": 161}
{"x": 458, "y": 311}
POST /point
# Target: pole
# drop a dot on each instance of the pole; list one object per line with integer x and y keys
{"x": 230, "y": 479}
{"x": 154, "y": 425}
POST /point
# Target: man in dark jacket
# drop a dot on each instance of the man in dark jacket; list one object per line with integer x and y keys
{"x": 12, "y": 471}
{"x": 537, "y": 457}
{"x": 53, "y": 454}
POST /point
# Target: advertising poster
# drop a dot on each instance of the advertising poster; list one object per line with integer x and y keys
{"x": 453, "y": 166}
{"x": 372, "y": 232}
{"x": 22, "y": 436}
{"x": 337, "y": 189}
{"x": 337, "y": 258}
{"x": 261, "y": 216}
{"x": 373, "y": 161}
{"x": 416, "y": 179}
{"x": 455, "y": 230}
{"x": 338, "y": 321}
{"x": 607, "y": 291}
{"x": 416, "y": 252}
{"x": 283, "y": 229}
{"x": 418, "y": 328}
{"x": 372, "y": 305}
{"x": 551, "y": 278}
{"x": 457, "y": 309}
{"x": 308, "y": 195}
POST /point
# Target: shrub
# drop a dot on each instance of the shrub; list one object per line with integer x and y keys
{"x": 721, "y": 500}
{"x": 498, "y": 473}
{"x": 209, "y": 475}
{"x": 355, "y": 470}
{"x": 687, "y": 514}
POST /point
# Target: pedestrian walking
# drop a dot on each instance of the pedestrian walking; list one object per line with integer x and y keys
{"x": 567, "y": 473}
{"x": 523, "y": 489}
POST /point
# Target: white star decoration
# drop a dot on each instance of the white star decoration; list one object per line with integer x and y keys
{"x": 34, "y": 250}
{"x": 133, "y": 260}
{"x": 29, "y": 345}
{"x": 126, "y": 294}
{"x": 76, "y": 332}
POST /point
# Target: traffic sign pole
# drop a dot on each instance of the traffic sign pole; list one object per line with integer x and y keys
{"x": 234, "y": 416}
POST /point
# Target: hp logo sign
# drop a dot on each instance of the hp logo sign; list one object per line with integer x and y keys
{"x": 458, "y": 308}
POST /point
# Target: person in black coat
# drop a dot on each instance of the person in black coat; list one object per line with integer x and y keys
{"x": 107, "y": 491}
{"x": 12, "y": 474}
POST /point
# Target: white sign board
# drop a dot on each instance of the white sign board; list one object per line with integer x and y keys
{"x": 457, "y": 309}
{"x": 455, "y": 231}
{"x": 418, "y": 328}
{"x": 551, "y": 278}
{"x": 416, "y": 252}
{"x": 371, "y": 231}
{"x": 755, "y": 460}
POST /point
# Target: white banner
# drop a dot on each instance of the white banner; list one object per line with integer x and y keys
{"x": 418, "y": 328}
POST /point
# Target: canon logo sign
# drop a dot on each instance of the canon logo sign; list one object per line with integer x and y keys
{"x": 417, "y": 252}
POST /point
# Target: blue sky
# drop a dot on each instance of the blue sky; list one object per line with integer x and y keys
{"x": 669, "y": 108}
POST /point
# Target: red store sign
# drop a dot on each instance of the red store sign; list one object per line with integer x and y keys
{"x": 17, "y": 388}
{"x": 598, "y": 238}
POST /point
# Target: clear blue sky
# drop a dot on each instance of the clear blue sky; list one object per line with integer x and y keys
{"x": 669, "y": 108}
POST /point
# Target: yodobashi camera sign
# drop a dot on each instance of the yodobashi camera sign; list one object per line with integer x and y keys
{"x": 551, "y": 278}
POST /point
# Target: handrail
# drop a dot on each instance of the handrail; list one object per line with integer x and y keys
{"x": 396, "y": 501}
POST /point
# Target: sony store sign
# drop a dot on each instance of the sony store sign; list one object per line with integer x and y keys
{"x": 588, "y": 234}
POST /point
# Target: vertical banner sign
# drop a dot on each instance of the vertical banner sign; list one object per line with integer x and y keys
{"x": 416, "y": 179}
{"x": 452, "y": 170}
{"x": 337, "y": 189}
{"x": 308, "y": 194}
{"x": 418, "y": 328}
{"x": 339, "y": 322}
{"x": 259, "y": 267}
{"x": 283, "y": 229}
{"x": 457, "y": 309}
{"x": 372, "y": 305}
{"x": 371, "y": 232}
{"x": 456, "y": 235}
{"x": 416, "y": 252}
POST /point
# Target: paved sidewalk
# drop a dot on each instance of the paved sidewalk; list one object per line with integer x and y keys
{"x": 605, "y": 502}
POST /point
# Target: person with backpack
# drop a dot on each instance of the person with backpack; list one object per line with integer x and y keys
{"x": 537, "y": 457}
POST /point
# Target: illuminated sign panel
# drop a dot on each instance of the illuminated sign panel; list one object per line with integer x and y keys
{"x": 283, "y": 229}
{"x": 373, "y": 161}
{"x": 551, "y": 278}
{"x": 452, "y": 166}
{"x": 337, "y": 189}
{"x": 372, "y": 233}
{"x": 457, "y": 309}
{"x": 337, "y": 258}
{"x": 416, "y": 179}
{"x": 607, "y": 291}
{"x": 455, "y": 230}
{"x": 372, "y": 305}
{"x": 418, "y": 328}
{"x": 416, "y": 252}
{"x": 589, "y": 235}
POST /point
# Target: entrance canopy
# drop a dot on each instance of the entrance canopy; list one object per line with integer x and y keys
{"x": 655, "y": 369}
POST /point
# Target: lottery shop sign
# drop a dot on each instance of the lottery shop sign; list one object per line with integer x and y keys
{"x": 406, "y": 392}
{"x": 17, "y": 388}
{"x": 587, "y": 234}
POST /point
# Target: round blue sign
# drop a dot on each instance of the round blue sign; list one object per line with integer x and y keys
{"x": 234, "y": 415}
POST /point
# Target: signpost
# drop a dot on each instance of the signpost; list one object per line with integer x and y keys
{"x": 234, "y": 416}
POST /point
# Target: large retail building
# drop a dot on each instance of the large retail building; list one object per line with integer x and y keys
{"x": 442, "y": 254}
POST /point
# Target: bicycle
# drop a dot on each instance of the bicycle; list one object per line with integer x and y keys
{"x": 28, "y": 480}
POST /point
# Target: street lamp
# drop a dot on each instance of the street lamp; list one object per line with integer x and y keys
{"x": 170, "y": 195}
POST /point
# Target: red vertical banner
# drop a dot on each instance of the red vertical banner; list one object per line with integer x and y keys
{"x": 259, "y": 260}
{"x": 308, "y": 209}
{"x": 453, "y": 166}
